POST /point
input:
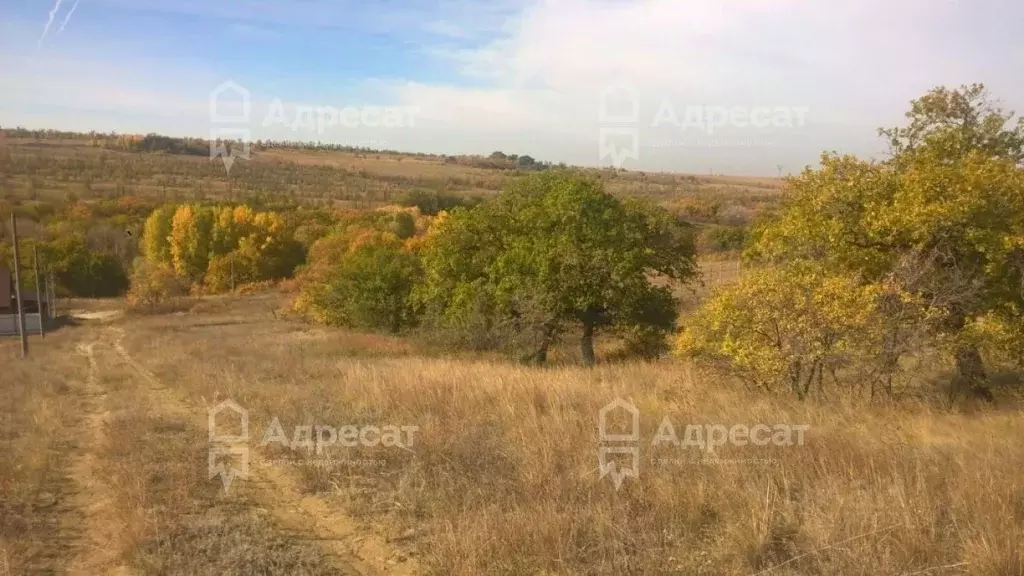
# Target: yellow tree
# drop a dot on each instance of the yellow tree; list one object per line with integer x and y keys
{"x": 191, "y": 234}
{"x": 231, "y": 224}
{"x": 942, "y": 219}
{"x": 225, "y": 233}
{"x": 788, "y": 326}
{"x": 156, "y": 245}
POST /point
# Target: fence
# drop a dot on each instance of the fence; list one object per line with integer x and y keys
{"x": 720, "y": 272}
{"x": 9, "y": 324}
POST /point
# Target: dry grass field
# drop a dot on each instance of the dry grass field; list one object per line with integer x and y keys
{"x": 104, "y": 466}
{"x": 51, "y": 169}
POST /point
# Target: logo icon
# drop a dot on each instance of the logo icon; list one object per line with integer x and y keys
{"x": 618, "y": 128}
{"x": 627, "y": 444}
{"x": 607, "y": 100}
{"x": 217, "y": 98}
{"x": 230, "y": 144}
{"x": 608, "y": 144}
{"x": 233, "y": 445}
{"x": 233, "y": 142}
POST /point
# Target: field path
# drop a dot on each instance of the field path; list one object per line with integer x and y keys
{"x": 350, "y": 548}
{"x": 95, "y": 546}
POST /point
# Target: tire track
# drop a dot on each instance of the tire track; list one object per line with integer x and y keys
{"x": 97, "y": 550}
{"x": 351, "y": 548}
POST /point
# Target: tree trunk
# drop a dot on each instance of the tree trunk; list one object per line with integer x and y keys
{"x": 539, "y": 356}
{"x": 971, "y": 376}
{"x": 795, "y": 370}
{"x": 587, "y": 345}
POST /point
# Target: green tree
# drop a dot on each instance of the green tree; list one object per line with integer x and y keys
{"x": 552, "y": 251}
{"x": 82, "y": 272}
{"x": 370, "y": 287}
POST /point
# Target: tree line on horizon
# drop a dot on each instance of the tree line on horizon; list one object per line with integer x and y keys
{"x": 194, "y": 146}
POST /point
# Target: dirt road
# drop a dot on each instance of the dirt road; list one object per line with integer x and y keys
{"x": 126, "y": 490}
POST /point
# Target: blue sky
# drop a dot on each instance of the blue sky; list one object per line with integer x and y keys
{"x": 522, "y": 76}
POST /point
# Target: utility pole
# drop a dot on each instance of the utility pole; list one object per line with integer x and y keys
{"x": 17, "y": 290}
{"x": 232, "y": 272}
{"x": 39, "y": 291}
{"x": 52, "y": 294}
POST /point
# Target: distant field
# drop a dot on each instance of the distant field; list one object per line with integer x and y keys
{"x": 51, "y": 169}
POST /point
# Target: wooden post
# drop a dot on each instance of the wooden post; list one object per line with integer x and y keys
{"x": 17, "y": 290}
{"x": 232, "y": 272}
{"x": 49, "y": 301}
{"x": 52, "y": 293}
{"x": 39, "y": 292}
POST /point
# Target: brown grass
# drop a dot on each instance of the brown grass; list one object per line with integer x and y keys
{"x": 502, "y": 477}
{"x": 36, "y": 417}
{"x": 99, "y": 474}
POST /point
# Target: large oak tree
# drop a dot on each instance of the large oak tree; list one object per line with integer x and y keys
{"x": 553, "y": 252}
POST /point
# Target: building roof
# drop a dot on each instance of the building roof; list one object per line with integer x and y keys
{"x": 7, "y": 290}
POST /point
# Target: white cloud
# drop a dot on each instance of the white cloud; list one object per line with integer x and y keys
{"x": 854, "y": 64}
{"x": 528, "y": 73}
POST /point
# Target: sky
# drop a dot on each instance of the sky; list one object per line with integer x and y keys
{"x": 750, "y": 87}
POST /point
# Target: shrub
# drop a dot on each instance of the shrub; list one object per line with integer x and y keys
{"x": 735, "y": 215}
{"x": 722, "y": 238}
{"x": 643, "y": 343}
{"x": 369, "y": 288}
{"x": 403, "y": 226}
{"x": 155, "y": 287}
{"x": 432, "y": 203}
{"x": 701, "y": 208}
{"x": 785, "y": 327}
